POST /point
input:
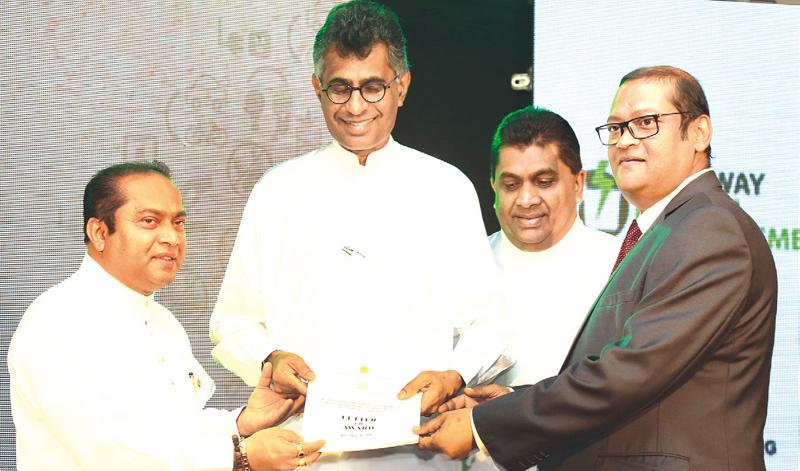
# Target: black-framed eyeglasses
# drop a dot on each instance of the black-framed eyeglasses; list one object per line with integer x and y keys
{"x": 372, "y": 91}
{"x": 640, "y": 127}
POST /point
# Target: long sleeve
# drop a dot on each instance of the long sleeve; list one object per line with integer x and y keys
{"x": 686, "y": 299}
{"x": 238, "y": 325}
{"x": 113, "y": 386}
{"x": 479, "y": 311}
{"x": 354, "y": 248}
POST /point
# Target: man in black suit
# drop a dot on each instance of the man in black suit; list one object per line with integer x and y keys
{"x": 670, "y": 370}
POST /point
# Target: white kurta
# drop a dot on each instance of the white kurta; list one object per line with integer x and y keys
{"x": 548, "y": 295}
{"x": 100, "y": 380}
{"x": 350, "y": 265}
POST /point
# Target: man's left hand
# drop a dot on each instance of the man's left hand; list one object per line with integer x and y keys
{"x": 265, "y": 407}
{"x": 436, "y": 387}
{"x": 449, "y": 433}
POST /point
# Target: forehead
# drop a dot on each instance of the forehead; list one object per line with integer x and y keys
{"x": 526, "y": 161}
{"x": 642, "y": 96}
{"x": 355, "y": 69}
{"x": 150, "y": 191}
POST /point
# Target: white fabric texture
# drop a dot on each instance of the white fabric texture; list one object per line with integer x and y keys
{"x": 100, "y": 380}
{"x": 347, "y": 265}
{"x": 548, "y": 295}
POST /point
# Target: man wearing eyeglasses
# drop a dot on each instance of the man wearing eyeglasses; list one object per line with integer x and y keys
{"x": 364, "y": 255}
{"x": 670, "y": 370}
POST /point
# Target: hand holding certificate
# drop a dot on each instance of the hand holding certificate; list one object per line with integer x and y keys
{"x": 359, "y": 412}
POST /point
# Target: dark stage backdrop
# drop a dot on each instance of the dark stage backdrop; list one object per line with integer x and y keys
{"x": 463, "y": 54}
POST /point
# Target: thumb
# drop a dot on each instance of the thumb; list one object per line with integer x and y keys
{"x": 479, "y": 392}
{"x": 413, "y": 386}
{"x": 266, "y": 376}
{"x": 302, "y": 370}
{"x": 431, "y": 426}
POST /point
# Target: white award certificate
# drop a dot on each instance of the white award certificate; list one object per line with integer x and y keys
{"x": 359, "y": 412}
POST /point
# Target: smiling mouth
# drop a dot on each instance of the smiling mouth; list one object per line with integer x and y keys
{"x": 628, "y": 160}
{"x": 358, "y": 125}
{"x": 531, "y": 221}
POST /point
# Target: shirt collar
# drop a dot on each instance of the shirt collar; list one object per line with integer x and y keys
{"x": 107, "y": 286}
{"x": 649, "y": 215}
{"x": 375, "y": 158}
{"x": 510, "y": 252}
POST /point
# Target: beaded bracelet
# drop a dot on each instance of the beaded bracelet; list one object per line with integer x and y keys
{"x": 240, "y": 461}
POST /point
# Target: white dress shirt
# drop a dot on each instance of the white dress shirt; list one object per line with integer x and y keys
{"x": 349, "y": 266}
{"x": 548, "y": 295}
{"x": 103, "y": 378}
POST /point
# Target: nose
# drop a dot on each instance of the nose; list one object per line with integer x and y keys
{"x": 170, "y": 235}
{"x": 626, "y": 139}
{"x": 356, "y": 104}
{"x": 528, "y": 196}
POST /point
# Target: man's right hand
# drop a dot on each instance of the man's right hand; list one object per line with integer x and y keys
{"x": 474, "y": 396}
{"x": 290, "y": 374}
{"x": 277, "y": 448}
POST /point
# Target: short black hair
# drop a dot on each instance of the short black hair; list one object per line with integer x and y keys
{"x": 540, "y": 126}
{"x": 102, "y": 196}
{"x": 352, "y": 28}
{"x": 688, "y": 96}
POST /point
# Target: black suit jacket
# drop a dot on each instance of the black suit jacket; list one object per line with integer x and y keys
{"x": 671, "y": 368}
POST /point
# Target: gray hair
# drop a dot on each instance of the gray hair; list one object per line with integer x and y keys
{"x": 352, "y": 28}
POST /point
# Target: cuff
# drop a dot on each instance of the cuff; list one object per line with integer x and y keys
{"x": 475, "y": 435}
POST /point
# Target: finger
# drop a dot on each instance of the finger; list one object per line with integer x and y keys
{"x": 422, "y": 380}
{"x": 430, "y": 427}
{"x": 312, "y": 457}
{"x": 453, "y": 404}
{"x": 297, "y": 405}
{"x": 480, "y": 392}
{"x": 286, "y": 383}
{"x": 266, "y": 376}
{"x": 431, "y": 400}
{"x": 489, "y": 391}
{"x": 426, "y": 443}
{"x": 301, "y": 369}
{"x": 313, "y": 447}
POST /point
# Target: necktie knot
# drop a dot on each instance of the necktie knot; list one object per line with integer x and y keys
{"x": 631, "y": 237}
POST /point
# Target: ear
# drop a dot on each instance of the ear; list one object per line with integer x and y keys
{"x": 97, "y": 231}
{"x": 702, "y": 133}
{"x": 317, "y": 86}
{"x": 403, "y": 86}
{"x": 580, "y": 181}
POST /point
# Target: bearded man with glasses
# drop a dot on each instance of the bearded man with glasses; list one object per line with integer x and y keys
{"x": 364, "y": 255}
{"x": 671, "y": 367}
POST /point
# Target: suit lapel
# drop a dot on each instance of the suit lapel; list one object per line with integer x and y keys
{"x": 702, "y": 184}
